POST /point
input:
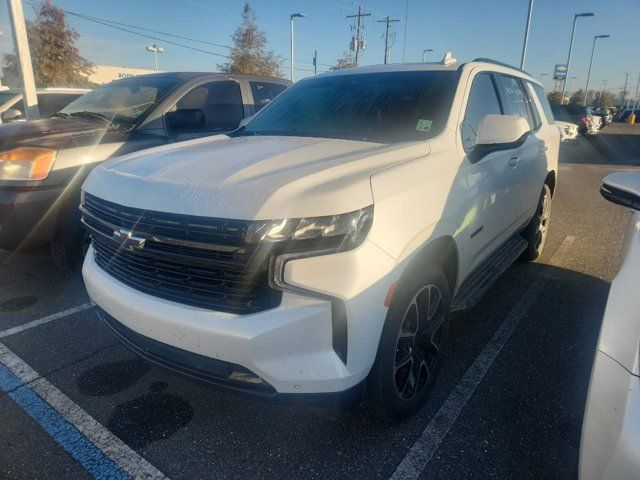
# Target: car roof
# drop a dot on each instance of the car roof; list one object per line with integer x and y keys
{"x": 453, "y": 65}
{"x": 185, "y": 76}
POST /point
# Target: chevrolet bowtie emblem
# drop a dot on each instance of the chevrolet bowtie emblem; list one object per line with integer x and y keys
{"x": 127, "y": 240}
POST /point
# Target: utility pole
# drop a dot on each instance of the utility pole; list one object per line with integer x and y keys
{"x": 315, "y": 62}
{"x": 388, "y": 21}
{"x": 356, "y": 42}
{"x": 16, "y": 16}
{"x": 624, "y": 91}
{"x": 526, "y": 35}
{"x": 604, "y": 84}
{"x": 406, "y": 19}
{"x": 569, "y": 90}
{"x": 291, "y": 17}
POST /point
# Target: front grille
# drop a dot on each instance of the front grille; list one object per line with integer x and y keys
{"x": 197, "y": 261}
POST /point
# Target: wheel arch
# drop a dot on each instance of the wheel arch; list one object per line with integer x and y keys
{"x": 551, "y": 180}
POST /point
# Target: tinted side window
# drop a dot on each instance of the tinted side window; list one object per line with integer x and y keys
{"x": 51, "y": 103}
{"x": 513, "y": 98}
{"x": 482, "y": 101}
{"x": 264, "y": 92}
{"x": 544, "y": 101}
{"x": 534, "y": 115}
{"x": 221, "y": 103}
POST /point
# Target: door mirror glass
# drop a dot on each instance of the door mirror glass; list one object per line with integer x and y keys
{"x": 622, "y": 188}
{"x": 11, "y": 115}
{"x": 185, "y": 120}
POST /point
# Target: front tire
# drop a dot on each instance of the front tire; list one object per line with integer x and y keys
{"x": 412, "y": 345}
{"x": 536, "y": 232}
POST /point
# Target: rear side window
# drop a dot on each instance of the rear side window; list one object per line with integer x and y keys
{"x": 544, "y": 101}
{"x": 513, "y": 98}
{"x": 264, "y": 92}
{"x": 221, "y": 103}
{"x": 483, "y": 101}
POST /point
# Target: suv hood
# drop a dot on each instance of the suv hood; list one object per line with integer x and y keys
{"x": 259, "y": 177}
{"x": 56, "y": 133}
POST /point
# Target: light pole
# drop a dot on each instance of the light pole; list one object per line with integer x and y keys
{"x": 573, "y": 31}
{"x": 526, "y": 35}
{"x": 293, "y": 15}
{"x": 424, "y": 53}
{"x": 593, "y": 49}
{"x": 155, "y": 50}
{"x": 568, "y": 90}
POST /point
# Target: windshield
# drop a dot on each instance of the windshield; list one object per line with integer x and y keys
{"x": 6, "y": 96}
{"x": 385, "y": 107}
{"x": 123, "y": 100}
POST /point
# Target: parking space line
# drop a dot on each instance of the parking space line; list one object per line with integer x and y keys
{"x": 102, "y": 453}
{"x": 43, "y": 320}
{"x": 432, "y": 436}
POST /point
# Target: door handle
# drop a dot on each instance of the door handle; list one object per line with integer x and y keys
{"x": 514, "y": 161}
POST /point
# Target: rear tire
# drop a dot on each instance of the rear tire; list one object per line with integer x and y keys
{"x": 412, "y": 345}
{"x": 536, "y": 232}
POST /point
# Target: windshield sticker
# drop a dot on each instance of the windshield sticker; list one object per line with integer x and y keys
{"x": 424, "y": 125}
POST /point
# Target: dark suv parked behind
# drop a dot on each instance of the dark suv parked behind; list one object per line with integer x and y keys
{"x": 44, "y": 162}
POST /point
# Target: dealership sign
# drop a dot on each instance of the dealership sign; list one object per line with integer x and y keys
{"x": 560, "y": 73}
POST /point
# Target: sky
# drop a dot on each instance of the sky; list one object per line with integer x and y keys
{"x": 467, "y": 28}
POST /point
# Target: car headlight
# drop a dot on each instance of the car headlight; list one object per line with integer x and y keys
{"x": 335, "y": 233}
{"x": 26, "y": 163}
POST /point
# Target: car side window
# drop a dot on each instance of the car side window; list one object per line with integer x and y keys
{"x": 264, "y": 92}
{"x": 220, "y": 103}
{"x": 513, "y": 98}
{"x": 483, "y": 101}
{"x": 51, "y": 103}
{"x": 544, "y": 101}
{"x": 534, "y": 115}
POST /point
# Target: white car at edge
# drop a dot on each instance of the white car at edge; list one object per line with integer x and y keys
{"x": 610, "y": 446}
{"x": 315, "y": 254}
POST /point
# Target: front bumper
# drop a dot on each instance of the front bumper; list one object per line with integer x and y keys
{"x": 289, "y": 347}
{"x": 27, "y": 216}
{"x": 610, "y": 448}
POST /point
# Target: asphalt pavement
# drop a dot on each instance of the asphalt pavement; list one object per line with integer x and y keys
{"x": 508, "y": 403}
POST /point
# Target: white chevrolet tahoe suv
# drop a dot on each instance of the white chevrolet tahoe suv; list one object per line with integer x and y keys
{"x": 316, "y": 253}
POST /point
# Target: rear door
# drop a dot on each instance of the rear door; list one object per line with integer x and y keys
{"x": 524, "y": 160}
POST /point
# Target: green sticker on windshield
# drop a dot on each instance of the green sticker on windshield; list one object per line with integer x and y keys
{"x": 424, "y": 125}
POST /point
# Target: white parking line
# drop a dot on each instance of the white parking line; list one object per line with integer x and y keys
{"x": 108, "y": 444}
{"x": 421, "y": 452}
{"x": 43, "y": 320}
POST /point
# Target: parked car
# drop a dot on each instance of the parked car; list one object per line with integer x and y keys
{"x": 50, "y": 101}
{"x": 568, "y": 131}
{"x": 321, "y": 247}
{"x": 605, "y": 114}
{"x": 610, "y": 446}
{"x": 44, "y": 162}
{"x": 588, "y": 124}
{"x": 623, "y": 116}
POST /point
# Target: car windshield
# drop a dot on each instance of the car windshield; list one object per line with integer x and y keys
{"x": 385, "y": 107}
{"x": 6, "y": 96}
{"x": 122, "y": 101}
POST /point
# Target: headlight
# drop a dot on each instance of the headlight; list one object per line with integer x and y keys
{"x": 26, "y": 163}
{"x": 333, "y": 232}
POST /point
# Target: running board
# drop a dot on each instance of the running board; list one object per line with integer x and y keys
{"x": 483, "y": 278}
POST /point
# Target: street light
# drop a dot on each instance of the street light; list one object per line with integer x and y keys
{"x": 155, "y": 50}
{"x": 593, "y": 49}
{"x": 424, "y": 53}
{"x": 526, "y": 35}
{"x": 569, "y": 90}
{"x": 293, "y": 15}
{"x": 541, "y": 80}
{"x": 573, "y": 31}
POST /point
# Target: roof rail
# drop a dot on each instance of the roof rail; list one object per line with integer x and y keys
{"x": 502, "y": 64}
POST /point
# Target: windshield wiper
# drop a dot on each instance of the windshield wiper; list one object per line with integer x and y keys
{"x": 86, "y": 113}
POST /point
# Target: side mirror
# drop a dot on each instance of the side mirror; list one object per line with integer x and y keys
{"x": 499, "y": 132}
{"x": 185, "y": 120}
{"x": 11, "y": 115}
{"x": 622, "y": 188}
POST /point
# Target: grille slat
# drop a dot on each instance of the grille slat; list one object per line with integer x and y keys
{"x": 231, "y": 278}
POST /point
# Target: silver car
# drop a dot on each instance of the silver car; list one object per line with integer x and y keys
{"x": 611, "y": 431}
